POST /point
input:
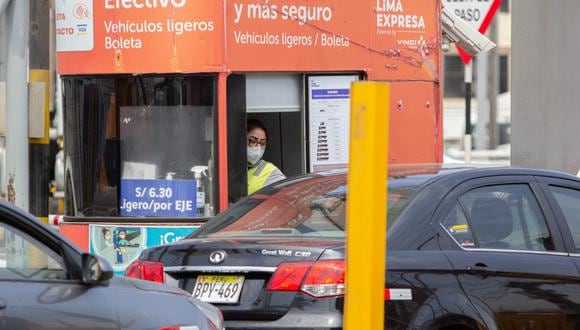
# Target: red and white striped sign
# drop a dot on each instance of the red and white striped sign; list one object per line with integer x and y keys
{"x": 398, "y": 294}
{"x": 55, "y": 219}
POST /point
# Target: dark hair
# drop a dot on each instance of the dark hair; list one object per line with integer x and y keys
{"x": 254, "y": 123}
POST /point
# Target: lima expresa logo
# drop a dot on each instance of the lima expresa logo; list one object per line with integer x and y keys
{"x": 392, "y": 18}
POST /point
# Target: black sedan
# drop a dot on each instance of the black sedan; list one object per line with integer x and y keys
{"x": 467, "y": 248}
{"x": 48, "y": 283}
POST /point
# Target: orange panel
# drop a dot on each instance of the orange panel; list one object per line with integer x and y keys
{"x": 77, "y": 233}
{"x": 389, "y": 39}
{"x": 149, "y": 40}
{"x": 415, "y": 124}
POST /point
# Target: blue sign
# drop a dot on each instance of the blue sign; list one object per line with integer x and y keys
{"x": 335, "y": 93}
{"x": 158, "y": 198}
{"x": 165, "y": 235}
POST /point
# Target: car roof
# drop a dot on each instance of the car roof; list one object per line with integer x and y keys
{"x": 465, "y": 173}
{"x": 439, "y": 170}
{"x": 427, "y": 173}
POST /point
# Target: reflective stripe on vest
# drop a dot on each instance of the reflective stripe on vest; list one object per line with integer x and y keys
{"x": 258, "y": 175}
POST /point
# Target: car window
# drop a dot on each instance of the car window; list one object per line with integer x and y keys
{"x": 500, "y": 217}
{"x": 24, "y": 258}
{"x": 314, "y": 207}
{"x": 456, "y": 224}
{"x": 569, "y": 202}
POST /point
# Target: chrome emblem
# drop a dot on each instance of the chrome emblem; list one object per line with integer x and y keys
{"x": 217, "y": 257}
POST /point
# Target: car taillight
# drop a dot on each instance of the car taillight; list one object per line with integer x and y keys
{"x": 324, "y": 278}
{"x": 146, "y": 270}
{"x": 288, "y": 276}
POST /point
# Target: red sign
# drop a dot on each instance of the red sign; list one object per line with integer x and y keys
{"x": 476, "y": 13}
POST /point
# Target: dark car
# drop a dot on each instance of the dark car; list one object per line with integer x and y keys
{"x": 467, "y": 248}
{"x": 48, "y": 283}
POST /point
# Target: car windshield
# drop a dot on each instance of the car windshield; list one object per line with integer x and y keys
{"x": 308, "y": 206}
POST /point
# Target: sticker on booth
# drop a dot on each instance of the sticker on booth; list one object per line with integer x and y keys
{"x": 121, "y": 245}
{"x": 118, "y": 245}
{"x": 329, "y": 120}
{"x": 74, "y": 25}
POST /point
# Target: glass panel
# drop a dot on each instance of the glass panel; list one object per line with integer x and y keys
{"x": 91, "y": 147}
{"x": 569, "y": 202}
{"x": 507, "y": 217}
{"x": 24, "y": 258}
{"x": 173, "y": 116}
{"x": 456, "y": 224}
{"x": 165, "y": 160}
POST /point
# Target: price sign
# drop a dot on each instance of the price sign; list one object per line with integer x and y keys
{"x": 158, "y": 198}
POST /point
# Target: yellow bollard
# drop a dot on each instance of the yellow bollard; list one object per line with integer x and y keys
{"x": 366, "y": 206}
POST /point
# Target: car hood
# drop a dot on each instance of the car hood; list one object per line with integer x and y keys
{"x": 125, "y": 282}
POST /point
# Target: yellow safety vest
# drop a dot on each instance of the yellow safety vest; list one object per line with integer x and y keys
{"x": 258, "y": 175}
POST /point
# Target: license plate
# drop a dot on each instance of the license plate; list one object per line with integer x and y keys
{"x": 218, "y": 289}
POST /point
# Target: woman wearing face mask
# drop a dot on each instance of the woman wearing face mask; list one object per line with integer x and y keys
{"x": 260, "y": 172}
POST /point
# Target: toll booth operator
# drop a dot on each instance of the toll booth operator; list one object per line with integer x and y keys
{"x": 260, "y": 172}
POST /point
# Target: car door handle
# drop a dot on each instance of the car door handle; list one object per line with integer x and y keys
{"x": 2, "y": 304}
{"x": 481, "y": 270}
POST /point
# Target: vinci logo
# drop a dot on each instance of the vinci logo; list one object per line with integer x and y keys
{"x": 412, "y": 42}
{"x": 391, "y": 18}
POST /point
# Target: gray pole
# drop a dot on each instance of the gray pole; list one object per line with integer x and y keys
{"x": 493, "y": 89}
{"x": 39, "y": 74}
{"x": 17, "y": 103}
{"x": 3, "y": 52}
{"x": 481, "y": 130}
{"x": 467, "y": 138}
{"x": 3, "y": 5}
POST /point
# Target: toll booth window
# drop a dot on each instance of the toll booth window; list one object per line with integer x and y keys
{"x": 141, "y": 146}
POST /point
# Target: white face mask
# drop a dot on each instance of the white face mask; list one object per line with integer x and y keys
{"x": 255, "y": 154}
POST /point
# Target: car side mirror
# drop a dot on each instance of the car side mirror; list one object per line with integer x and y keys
{"x": 96, "y": 270}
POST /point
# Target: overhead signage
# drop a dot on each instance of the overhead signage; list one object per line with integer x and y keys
{"x": 390, "y": 38}
{"x": 477, "y": 13}
{"x": 394, "y": 39}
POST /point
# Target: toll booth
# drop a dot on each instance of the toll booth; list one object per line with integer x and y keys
{"x": 156, "y": 96}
